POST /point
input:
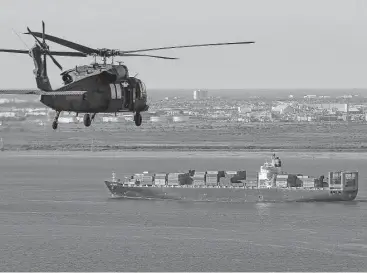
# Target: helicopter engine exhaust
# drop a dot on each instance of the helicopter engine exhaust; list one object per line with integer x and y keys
{"x": 116, "y": 74}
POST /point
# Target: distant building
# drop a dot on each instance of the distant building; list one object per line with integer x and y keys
{"x": 282, "y": 109}
{"x": 244, "y": 109}
{"x": 310, "y": 96}
{"x": 200, "y": 94}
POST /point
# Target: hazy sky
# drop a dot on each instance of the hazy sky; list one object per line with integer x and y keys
{"x": 299, "y": 43}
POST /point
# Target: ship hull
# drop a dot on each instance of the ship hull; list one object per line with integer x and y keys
{"x": 236, "y": 195}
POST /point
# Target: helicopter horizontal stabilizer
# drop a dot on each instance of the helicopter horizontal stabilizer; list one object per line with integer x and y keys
{"x": 63, "y": 93}
{"x": 40, "y": 92}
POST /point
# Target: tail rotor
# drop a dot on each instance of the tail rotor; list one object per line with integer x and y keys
{"x": 44, "y": 46}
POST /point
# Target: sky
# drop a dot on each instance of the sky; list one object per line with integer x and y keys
{"x": 298, "y": 43}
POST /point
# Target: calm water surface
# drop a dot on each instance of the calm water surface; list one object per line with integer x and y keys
{"x": 57, "y": 215}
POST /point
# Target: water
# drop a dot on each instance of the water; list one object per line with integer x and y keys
{"x": 57, "y": 215}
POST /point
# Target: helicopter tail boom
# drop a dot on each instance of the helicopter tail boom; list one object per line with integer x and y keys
{"x": 40, "y": 70}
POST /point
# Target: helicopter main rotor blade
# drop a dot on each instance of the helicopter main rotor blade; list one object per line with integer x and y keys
{"x": 68, "y": 54}
{"x": 109, "y": 52}
{"x": 184, "y": 46}
{"x": 43, "y": 33}
{"x": 45, "y": 49}
{"x": 144, "y": 55}
{"x": 14, "y": 51}
{"x": 56, "y": 53}
{"x": 69, "y": 44}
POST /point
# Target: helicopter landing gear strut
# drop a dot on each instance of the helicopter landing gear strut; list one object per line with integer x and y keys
{"x": 138, "y": 119}
{"x": 88, "y": 120}
{"x": 56, "y": 120}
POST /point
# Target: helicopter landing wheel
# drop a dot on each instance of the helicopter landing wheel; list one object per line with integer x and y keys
{"x": 138, "y": 119}
{"x": 54, "y": 125}
{"x": 87, "y": 121}
{"x": 55, "y": 122}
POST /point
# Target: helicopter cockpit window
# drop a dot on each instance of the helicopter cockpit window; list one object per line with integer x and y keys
{"x": 143, "y": 89}
{"x": 138, "y": 90}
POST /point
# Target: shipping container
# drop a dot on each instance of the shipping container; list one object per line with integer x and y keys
{"x": 237, "y": 184}
{"x": 223, "y": 181}
{"x": 160, "y": 183}
{"x": 159, "y": 180}
{"x": 138, "y": 176}
{"x": 198, "y": 183}
{"x": 221, "y": 174}
{"x": 302, "y": 176}
{"x": 172, "y": 183}
{"x": 335, "y": 178}
{"x": 350, "y": 179}
{"x": 146, "y": 180}
{"x": 250, "y": 183}
{"x": 173, "y": 174}
{"x": 282, "y": 184}
{"x": 199, "y": 178}
{"x": 241, "y": 174}
{"x": 208, "y": 178}
{"x": 309, "y": 185}
{"x": 211, "y": 183}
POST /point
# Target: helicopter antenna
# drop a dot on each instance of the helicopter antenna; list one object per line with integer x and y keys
{"x": 95, "y": 57}
{"x": 16, "y": 33}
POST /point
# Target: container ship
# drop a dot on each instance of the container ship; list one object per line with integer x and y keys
{"x": 271, "y": 184}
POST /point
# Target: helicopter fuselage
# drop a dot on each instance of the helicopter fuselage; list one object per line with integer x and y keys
{"x": 109, "y": 90}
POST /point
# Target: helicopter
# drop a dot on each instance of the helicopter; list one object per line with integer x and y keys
{"x": 90, "y": 89}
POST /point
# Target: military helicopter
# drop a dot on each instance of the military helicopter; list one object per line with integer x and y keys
{"x": 90, "y": 89}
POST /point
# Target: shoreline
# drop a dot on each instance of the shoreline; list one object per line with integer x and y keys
{"x": 144, "y": 147}
{"x": 186, "y": 154}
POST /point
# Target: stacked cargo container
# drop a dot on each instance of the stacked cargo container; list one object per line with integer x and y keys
{"x": 335, "y": 179}
{"x": 211, "y": 178}
{"x": 241, "y": 175}
{"x": 307, "y": 182}
{"x": 130, "y": 180}
{"x": 173, "y": 179}
{"x": 160, "y": 179}
{"x": 185, "y": 179}
{"x": 350, "y": 180}
{"x": 147, "y": 180}
{"x": 281, "y": 180}
{"x": 294, "y": 181}
{"x": 250, "y": 183}
{"x": 226, "y": 180}
{"x": 199, "y": 179}
{"x": 138, "y": 178}
{"x": 238, "y": 178}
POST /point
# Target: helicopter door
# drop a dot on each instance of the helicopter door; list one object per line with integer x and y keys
{"x": 117, "y": 97}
